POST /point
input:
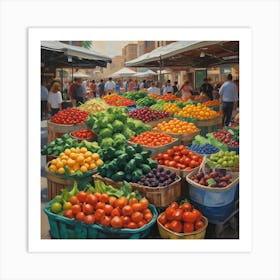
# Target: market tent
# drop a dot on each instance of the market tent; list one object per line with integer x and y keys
{"x": 189, "y": 53}
{"x": 123, "y": 72}
{"x": 57, "y": 54}
{"x": 80, "y": 75}
{"x": 145, "y": 73}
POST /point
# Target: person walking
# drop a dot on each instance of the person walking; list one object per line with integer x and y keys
{"x": 175, "y": 87}
{"x": 110, "y": 86}
{"x": 101, "y": 88}
{"x": 167, "y": 88}
{"x": 153, "y": 89}
{"x": 79, "y": 91}
{"x": 229, "y": 97}
{"x": 207, "y": 89}
{"x": 185, "y": 90}
{"x": 54, "y": 99}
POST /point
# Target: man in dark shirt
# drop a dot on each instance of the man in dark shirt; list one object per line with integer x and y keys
{"x": 207, "y": 88}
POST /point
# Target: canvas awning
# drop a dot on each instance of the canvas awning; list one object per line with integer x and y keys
{"x": 146, "y": 73}
{"x": 123, "y": 72}
{"x": 58, "y": 54}
{"x": 189, "y": 53}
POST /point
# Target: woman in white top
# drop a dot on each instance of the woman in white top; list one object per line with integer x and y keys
{"x": 54, "y": 99}
{"x": 185, "y": 90}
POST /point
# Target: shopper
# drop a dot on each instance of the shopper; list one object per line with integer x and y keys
{"x": 229, "y": 97}
{"x": 207, "y": 89}
{"x": 130, "y": 85}
{"x": 136, "y": 85}
{"x": 168, "y": 87}
{"x": 101, "y": 88}
{"x": 143, "y": 84}
{"x": 93, "y": 88}
{"x": 44, "y": 99}
{"x": 110, "y": 86}
{"x": 153, "y": 89}
{"x": 118, "y": 87}
{"x": 175, "y": 87}
{"x": 79, "y": 92}
{"x": 54, "y": 99}
{"x": 186, "y": 90}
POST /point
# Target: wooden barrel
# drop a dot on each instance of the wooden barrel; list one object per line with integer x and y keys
{"x": 208, "y": 126}
{"x": 57, "y": 130}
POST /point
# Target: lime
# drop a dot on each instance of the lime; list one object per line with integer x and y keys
{"x": 56, "y": 207}
{"x": 224, "y": 163}
{"x": 233, "y": 153}
{"x": 58, "y": 198}
{"x": 230, "y": 163}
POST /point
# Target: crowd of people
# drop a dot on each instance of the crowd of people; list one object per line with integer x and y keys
{"x": 81, "y": 90}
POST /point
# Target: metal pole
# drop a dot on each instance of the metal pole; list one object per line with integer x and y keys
{"x": 160, "y": 75}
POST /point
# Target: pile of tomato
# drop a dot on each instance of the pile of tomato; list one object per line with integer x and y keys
{"x": 108, "y": 210}
{"x": 181, "y": 218}
{"x": 83, "y": 133}
{"x": 179, "y": 157}
{"x": 70, "y": 116}
{"x": 117, "y": 100}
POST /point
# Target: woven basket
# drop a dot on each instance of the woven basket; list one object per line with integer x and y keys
{"x": 107, "y": 181}
{"x": 210, "y": 122}
{"x": 156, "y": 122}
{"x": 183, "y": 138}
{"x": 160, "y": 196}
{"x": 169, "y": 234}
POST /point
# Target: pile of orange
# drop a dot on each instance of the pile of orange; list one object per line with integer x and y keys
{"x": 212, "y": 103}
{"x": 177, "y": 126}
{"x": 198, "y": 111}
{"x": 171, "y": 108}
{"x": 76, "y": 159}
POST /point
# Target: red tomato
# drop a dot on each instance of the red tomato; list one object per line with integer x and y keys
{"x": 172, "y": 163}
{"x": 177, "y": 158}
{"x": 91, "y": 199}
{"x": 100, "y": 205}
{"x": 116, "y": 222}
{"x": 116, "y": 212}
{"x": 198, "y": 214}
{"x": 178, "y": 214}
{"x": 174, "y": 205}
{"x": 166, "y": 162}
{"x": 104, "y": 197}
{"x": 170, "y": 152}
{"x": 188, "y": 227}
{"x": 176, "y": 148}
{"x": 127, "y": 210}
{"x": 74, "y": 200}
{"x": 80, "y": 216}
{"x": 165, "y": 156}
{"x": 198, "y": 225}
{"x": 87, "y": 208}
{"x": 136, "y": 217}
{"x": 187, "y": 161}
{"x": 89, "y": 219}
{"x": 99, "y": 214}
{"x": 162, "y": 219}
{"x": 186, "y": 207}
{"x": 189, "y": 217}
{"x": 132, "y": 225}
{"x": 69, "y": 214}
{"x": 76, "y": 208}
{"x": 176, "y": 226}
{"x": 106, "y": 221}
{"x": 108, "y": 209}
{"x": 193, "y": 163}
{"x": 144, "y": 202}
{"x": 169, "y": 213}
{"x": 148, "y": 217}
{"x": 160, "y": 156}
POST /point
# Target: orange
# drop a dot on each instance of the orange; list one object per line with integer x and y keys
{"x": 95, "y": 156}
{"x": 73, "y": 155}
{"x": 83, "y": 150}
{"x": 61, "y": 170}
{"x": 83, "y": 168}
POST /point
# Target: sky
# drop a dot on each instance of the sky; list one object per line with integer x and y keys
{"x": 110, "y": 48}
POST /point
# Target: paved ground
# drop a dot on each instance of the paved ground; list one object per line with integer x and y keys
{"x": 228, "y": 230}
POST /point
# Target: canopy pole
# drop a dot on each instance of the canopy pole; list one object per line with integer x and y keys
{"x": 160, "y": 69}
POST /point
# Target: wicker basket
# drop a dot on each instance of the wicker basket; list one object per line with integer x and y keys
{"x": 182, "y": 173}
{"x": 160, "y": 196}
{"x": 169, "y": 234}
{"x": 158, "y": 149}
{"x": 57, "y": 130}
{"x": 107, "y": 181}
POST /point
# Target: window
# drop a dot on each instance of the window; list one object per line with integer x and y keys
{"x": 148, "y": 44}
{"x": 140, "y": 50}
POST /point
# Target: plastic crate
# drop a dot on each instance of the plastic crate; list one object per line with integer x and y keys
{"x": 215, "y": 203}
{"x": 65, "y": 228}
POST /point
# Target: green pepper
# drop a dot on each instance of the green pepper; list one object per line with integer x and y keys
{"x": 119, "y": 176}
{"x": 138, "y": 159}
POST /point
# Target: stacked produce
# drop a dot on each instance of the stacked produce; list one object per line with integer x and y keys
{"x": 159, "y": 105}
{"x": 158, "y": 177}
{"x": 210, "y": 139}
{"x": 128, "y": 163}
{"x": 171, "y": 108}
{"x": 134, "y": 95}
{"x": 176, "y": 126}
{"x": 205, "y": 149}
{"x": 183, "y": 218}
{"x": 104, "y": 205}
{"x": 83, "y": 134}
{"x": 114, "y": 127}
{"x": 179, "y": 157}
{"x": 182, "y": 104}
{"x": 75, "y": 161}
{"x": 198, "y": 111}
{"x": 118, "y": 100}
{"x": 165, "y": 97}
{"x": 201, "y": 97}
{"x": 145, "y": 114}
{"x": 94, "y": 105}
{"x": 69, "y": 116}
{"x": 145, "y": 101}
{"x": 224, "y": 159}
{"x": 213, "y": 179}
{"x": 229, "y": 136}
{"x": 152, "y": 139}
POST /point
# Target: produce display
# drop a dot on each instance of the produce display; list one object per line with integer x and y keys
{"x": 183, "y": 218}
{"x": 228, "y": 136}
{"x": 210, "y": 139}
{"x": 114, "y": 127}
{"x": 179, "y": 157}
{"x": 83, "y": 134}
{"x": 158, "y": 177}
{"x": 171, "y": 108}
{"x": 75, "y": 161}
{"x": 116, "y": 208}
{"x": 145, "y": 114}
{"x": 205, "y": 149}
{"x": 224, "y": 159}
{"x": 94, "y": 105}
{"x": 145, "y": 101}
{"x": 128, "y": 163}
{"x": 166, "y": 97}
{"x": 213, "y": 179}
{"x": 159, "y": 105}
{"x": 117, "y": 100}
{"x": 212, "y": 103}
{"x": 152, "y": 139}
{"x": 134, "y": 95}
{"x": 198, "y": 111}
{"x": 176, "y": 126}
{"x": 69, "y": 116}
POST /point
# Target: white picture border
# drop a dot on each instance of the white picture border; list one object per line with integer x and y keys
{"x": 243, "y": 244}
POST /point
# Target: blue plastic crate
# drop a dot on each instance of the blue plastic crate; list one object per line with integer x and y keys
{"x": 234, "y": 148}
